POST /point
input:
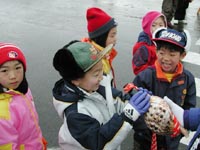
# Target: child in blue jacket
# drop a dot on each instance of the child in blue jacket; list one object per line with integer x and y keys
{"x": 90, "y": 120}
{"x": 167, "y": 77}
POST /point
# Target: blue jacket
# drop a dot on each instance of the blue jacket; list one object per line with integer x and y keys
{"x": 192, "y": 122}
{"x": 181, "y": 89}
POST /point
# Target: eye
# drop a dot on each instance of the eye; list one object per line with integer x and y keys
{"x": 3, "y": 70}
{"x": 172, "y": 54}
{"x": 18, "y": 67}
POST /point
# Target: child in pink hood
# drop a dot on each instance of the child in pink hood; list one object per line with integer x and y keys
{"x": 144, "y": 50}
{"x": 19, "y": 125}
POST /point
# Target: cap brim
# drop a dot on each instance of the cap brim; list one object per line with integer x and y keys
{"x": 169, "y": 41}
{"x": 102, "y": 54}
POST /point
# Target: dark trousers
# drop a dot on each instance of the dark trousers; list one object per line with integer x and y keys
{"x": 181, "y": 9}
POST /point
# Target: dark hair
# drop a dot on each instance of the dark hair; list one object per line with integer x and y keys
{"x": 101, "y": 40}
{"x": 66, "y": 65}
{"x": 170, "y": 46}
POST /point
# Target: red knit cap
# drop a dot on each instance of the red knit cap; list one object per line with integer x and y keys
{"x": 99, "y": 22}
{"x": 10, "y": 52}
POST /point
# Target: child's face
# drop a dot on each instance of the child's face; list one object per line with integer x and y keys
{"x": 169, "y": 59}
{"x": 90, "y": 82}
{"x": 112, "y": 36}
{"x": 159, "y": 22}
{"x": 11, "y": 74}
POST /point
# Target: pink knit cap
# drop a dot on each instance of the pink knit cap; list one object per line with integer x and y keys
{"x": 148, "y": 20}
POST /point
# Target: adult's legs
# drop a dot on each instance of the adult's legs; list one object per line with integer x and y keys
{"x": 169, "y": 9}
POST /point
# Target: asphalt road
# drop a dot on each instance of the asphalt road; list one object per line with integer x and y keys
{"x": 39, "y": 28}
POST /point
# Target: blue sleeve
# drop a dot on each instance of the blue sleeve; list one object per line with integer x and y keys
{"x": 89, "y": 133}
{"x": 192, "y": 118}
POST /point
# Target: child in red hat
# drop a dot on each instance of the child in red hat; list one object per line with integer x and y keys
{"x": 102, "y": 31}
{"x": 19, "y": 124}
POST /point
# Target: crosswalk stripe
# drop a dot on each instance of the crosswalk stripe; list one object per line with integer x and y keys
{"x": 186, "y": 140}
{"x": 193, "y": 58}
{"x": 198, "y": 42}
{"x": 197, "y": 81}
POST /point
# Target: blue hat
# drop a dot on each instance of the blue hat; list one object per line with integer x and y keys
{"x": 171, "y": 36}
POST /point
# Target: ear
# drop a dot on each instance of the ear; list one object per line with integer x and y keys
{"x": 182, "y": 55}
{"x": 75, "y": 82}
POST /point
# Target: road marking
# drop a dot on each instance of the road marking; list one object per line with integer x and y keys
{"x": 198, "y": 42}
{"x": 185, "y": 140}
{"x": 197, "y": 81}
{"x": 193, "y": 58}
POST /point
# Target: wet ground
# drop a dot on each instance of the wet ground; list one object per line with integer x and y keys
{"x": 42, "y": 27}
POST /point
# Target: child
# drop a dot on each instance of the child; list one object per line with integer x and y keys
{"x": 169, "y": 78}
{"x": 80, "y": 101}
{"x": 144, "y": 51}
{"x": 102, "y": 31}
{"x": 18, "y": 117}
{"x": 190, "y": 119}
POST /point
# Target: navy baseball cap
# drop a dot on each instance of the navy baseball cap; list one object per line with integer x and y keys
{"x": 171, "y": 36}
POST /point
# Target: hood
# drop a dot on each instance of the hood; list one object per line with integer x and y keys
{"x": 64, "y": 95}
{"x": 148, "y": 19}
{"x": 143, "y": 37}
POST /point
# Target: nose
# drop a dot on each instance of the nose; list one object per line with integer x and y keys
{"x": 166, "y": 57}
{"x": 12, "y": 75}
{"x": 100, "y": 76}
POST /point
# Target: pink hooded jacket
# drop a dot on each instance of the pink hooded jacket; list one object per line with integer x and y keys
{"x": 19, "y": 128}
{"x": 144, "y": 50}
{"x": 148, "y": 20}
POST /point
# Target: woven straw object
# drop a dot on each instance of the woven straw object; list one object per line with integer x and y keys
{"x": 159, "y": 117}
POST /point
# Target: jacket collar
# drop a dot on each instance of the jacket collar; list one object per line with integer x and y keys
{"x": 161, "y": 75}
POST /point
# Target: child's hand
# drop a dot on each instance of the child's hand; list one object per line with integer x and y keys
{"x": 130, "y": 89}
{"x": 142, "y": 89}
{"x": 138, "y": 104}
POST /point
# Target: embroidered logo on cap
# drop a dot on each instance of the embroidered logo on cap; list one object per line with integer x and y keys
{"x": 94, "y": 53}
{"x": 173, "y": 36}
{"x": 12, "y": 54}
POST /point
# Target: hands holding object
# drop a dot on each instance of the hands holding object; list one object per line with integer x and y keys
{"x": 159, "y": 116}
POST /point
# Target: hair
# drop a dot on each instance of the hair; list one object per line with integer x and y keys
{"x": 101, "y": 40}
{"x": 66, "y": 65}
{"x": 170, "y": 46}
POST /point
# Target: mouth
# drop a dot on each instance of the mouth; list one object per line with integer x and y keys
{"x": 14, "y": 83}
{"x": 166, "y": 65}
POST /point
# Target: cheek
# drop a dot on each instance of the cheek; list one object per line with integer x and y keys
{"x": 110, "y": 41}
